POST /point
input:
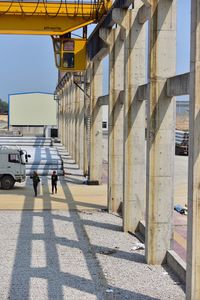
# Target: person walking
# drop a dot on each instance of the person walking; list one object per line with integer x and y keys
{"x": 54, "y": 180}
{"x": 36, "y": 180}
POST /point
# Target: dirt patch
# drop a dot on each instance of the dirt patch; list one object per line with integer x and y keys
{"x": 4, "y": 118}
{"x": 182, "y": 123}
{"x": 3, "y": 121}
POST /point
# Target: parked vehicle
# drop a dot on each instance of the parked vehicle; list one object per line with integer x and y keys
{"x": 182, "y": 142}
{"x": 12, "y": 166}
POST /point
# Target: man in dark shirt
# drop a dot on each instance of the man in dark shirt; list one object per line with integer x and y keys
{"x": 54, "y": 179}
{"x": 36, "y": 180}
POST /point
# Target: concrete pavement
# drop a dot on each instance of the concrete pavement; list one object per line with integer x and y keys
{"x": 69, "y": 196}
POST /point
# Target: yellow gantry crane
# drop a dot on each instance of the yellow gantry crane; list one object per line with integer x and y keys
{"x": 56, "y": 19}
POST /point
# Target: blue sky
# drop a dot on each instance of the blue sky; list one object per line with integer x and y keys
{"x": 183, "y": 36}
{"x": 27, "y": 62}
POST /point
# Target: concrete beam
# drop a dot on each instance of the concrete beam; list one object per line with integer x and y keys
{"x": 147, "y": 2}
{"x": 103, "y": 100}
{"x": 142, "y": 92}
{"x": 144, "y": 14}
{"x": 95, "y": 43}
{"x": 178, "y": 85}
{"x": 101, "y": 53}
{"x": 106, "y": 35}
{"x": 118, "y": 16}
{"x": 127, "y": 3}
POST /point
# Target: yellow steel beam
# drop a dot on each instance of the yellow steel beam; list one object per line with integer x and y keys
{"x": 53, "y": 18}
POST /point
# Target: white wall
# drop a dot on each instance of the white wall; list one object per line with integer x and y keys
{"x": 32, "y": 109}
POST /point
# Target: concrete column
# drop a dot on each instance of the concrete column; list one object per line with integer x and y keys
{"x": 71, "y": 118}
{"x": 114, "y": 39}
{"x": 59, "y": 116}
{"x": 74, "y": 120}
{"x": 81, "y": 130}
{"x": 193, "y": 233}
{"x": 134, "y": 117}
{"x": 77, "y": 130}
{"x": 87, "y": 119}
{"x": 62, "y": 118}
{"x": 65, "y": 132}
{"x": 160, "y": 131}
{"x": 95, "y": 163}
{"x": 67, "y": 115}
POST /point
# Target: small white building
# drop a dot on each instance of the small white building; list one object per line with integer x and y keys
{"x": 32, "y": 113}
{"x": 105, "y": 119}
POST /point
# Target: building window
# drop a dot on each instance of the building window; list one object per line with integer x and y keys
{"x": 104, "y": 125}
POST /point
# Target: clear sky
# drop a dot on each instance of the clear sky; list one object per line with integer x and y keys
{"x": 27, "y": 62}
{"x": 183, "y": 36}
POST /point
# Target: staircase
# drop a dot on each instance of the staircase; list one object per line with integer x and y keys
{"x": 25, "y": 141}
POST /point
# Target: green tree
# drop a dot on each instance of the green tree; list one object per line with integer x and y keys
{"x": 3, "y": 106}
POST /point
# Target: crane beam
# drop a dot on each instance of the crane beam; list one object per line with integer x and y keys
{"x": 48, "y": 18}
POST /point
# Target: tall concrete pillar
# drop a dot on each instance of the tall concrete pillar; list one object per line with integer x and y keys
{"x": 77, "y": 129}
{"x": 59, "y": 115}
{"x": 71, "y": 118}
{"x": 64, "y": 115}
{"x": 134, "y": 116}
{"x": 87, "y": 90}
{"x": 115, "y": 41}
{"x": 95, "y": 162}
{"x": 67, "y": 115}
{"x": 160, "y": 131}
{"x": 81, "y": 130}
{"x": 74, "y": 120}
{"x": 62, "y": 118}
{"x": 66, "y": 133}
{"x": 193, "y": 233}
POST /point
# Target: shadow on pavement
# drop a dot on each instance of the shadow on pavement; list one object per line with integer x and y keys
{"x": 26, "y": 277}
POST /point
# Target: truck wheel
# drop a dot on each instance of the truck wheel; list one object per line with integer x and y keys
{"x": 7, "y": 182}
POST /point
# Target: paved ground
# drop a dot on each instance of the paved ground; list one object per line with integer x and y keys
{"x": 62, "y": 254}
{"x": 180, "y": 197}
{"x": 66, "y": 246}
{"x": 22, "y": 196}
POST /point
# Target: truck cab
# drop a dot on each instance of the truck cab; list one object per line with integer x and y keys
{"x": 12, "y": 166}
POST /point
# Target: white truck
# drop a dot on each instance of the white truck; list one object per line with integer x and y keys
{"x": 12, "y": 166}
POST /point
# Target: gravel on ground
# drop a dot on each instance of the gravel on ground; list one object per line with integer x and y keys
{"x": 76, "y": 255}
